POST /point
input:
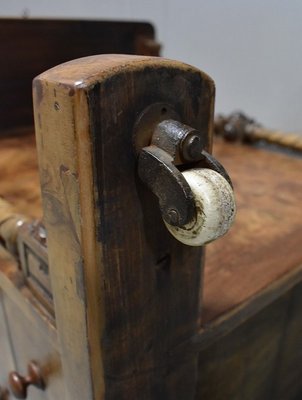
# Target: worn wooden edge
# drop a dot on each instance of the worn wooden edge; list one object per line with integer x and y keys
{"x": 58, "y": 155}
{"x": 86, "y": 71}
{"x": 226, "y": 323}
{"x": 92, "y": 253}
{"x": 12, "y": 284}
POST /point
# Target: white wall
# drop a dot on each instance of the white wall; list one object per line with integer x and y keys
{"x": 252, "y": 49}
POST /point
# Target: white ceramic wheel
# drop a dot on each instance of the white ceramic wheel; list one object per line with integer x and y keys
{"x": 215, "y": 208}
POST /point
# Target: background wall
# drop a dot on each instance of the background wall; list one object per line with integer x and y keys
{"x": 252, "y": 48}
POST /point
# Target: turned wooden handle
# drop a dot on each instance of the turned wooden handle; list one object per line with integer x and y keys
{"x": 6, "y": 210}
{"x": 10, "y": 223}
{"x": 19, "y": 384}
{"x": 4, "y": 394}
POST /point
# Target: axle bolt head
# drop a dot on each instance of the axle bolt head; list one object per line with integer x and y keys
{"x": 192, "y": 147}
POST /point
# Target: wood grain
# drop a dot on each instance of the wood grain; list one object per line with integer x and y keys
{"x": 261, "y": 359}
{"x": 125, "y": 289}
{"x": 264, "y": 243}
{"x": 27, "y": 330}
{"x": 223, "y": 325}
{"x": 32, "y": 46}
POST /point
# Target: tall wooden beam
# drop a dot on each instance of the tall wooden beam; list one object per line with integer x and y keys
{"x": 127, "y": 294}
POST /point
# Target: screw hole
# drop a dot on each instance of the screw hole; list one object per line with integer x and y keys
{"x": 164, "y": 111}
{"x": 164, "y": 262}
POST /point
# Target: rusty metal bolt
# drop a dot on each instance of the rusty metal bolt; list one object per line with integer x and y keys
{"x": 192, "y": 147}
{"x": 173, "y": 217}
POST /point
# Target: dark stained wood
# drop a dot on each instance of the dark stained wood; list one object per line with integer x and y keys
{"x": 29, "y": 47}
{"x": 265, "y": 241}
{"x": 142, "y": 288}
{"x": 288, "y": 368}
{"x": 159, "y": 279}
{"x": 214, "y": 330}
{"x": 261, "y": 359}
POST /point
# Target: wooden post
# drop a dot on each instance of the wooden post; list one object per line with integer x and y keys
{"x": 127, "y": 294}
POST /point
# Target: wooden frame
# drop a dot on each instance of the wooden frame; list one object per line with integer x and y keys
{"x": 128, "y": 297}
{"x": 126, "y": 293}
{"x": 40, "y": 44}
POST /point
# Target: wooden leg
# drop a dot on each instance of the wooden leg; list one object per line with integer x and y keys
{"x": 127, "y": 294}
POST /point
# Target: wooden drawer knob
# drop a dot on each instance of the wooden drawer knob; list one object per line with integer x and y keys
{"x": 4, "y": 395}
{"x": 19, "y": 384}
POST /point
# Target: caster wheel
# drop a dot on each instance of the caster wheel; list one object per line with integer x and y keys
{"x": 215, "y": 208}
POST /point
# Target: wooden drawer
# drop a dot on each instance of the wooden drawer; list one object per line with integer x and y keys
{"x": 30, "y": 342}
{"x": 6, "y": 355}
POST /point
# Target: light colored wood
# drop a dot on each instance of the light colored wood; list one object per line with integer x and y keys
{"x": 10, "y": 224}
{"x": 6, "y": 210}
{"x": 6, "y": 352}
{"x": 26, "y": 331}
{"x": 13, "y": 285}
{"x": 57, "y": 142}
{"x": 30, "y": 342}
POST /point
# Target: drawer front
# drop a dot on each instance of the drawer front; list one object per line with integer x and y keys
{"x": 6, "y": 354}
{"x": 34, "y": 262}
{"x": 38, "y": 271}
{"x": 31, "y": 343}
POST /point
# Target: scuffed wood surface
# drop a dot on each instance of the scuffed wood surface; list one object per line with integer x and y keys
{"x": 265, "y": 241}
{"x": 19, "y": 177}
{"x": 262, "y": 246}
{"x": 260, "y": 360}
